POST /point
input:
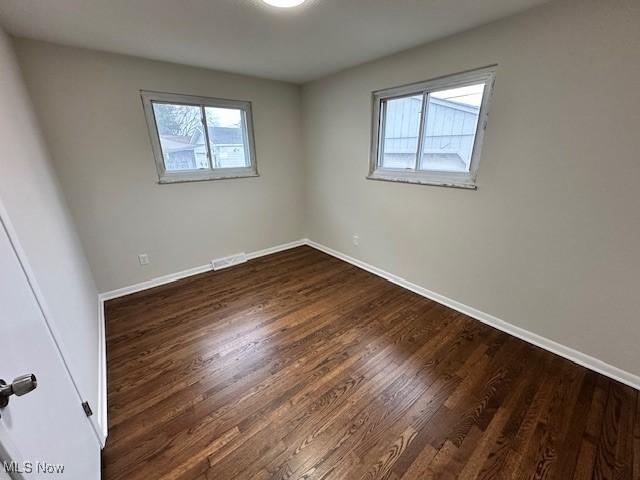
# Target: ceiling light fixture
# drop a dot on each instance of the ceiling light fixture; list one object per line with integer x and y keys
{"x": 284, "y": 3}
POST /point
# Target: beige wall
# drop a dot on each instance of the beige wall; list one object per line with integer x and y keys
{"x": 36, "y": 208}
{"x": 90, "y": 109}
{"x": 549, "y": 242}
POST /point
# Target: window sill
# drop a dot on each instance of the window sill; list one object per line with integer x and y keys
{"x": 169, "y": 178}
{"x": 436, "y": 179}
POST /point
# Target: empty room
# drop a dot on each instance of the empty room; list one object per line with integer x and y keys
{"x": 319, "y": 239}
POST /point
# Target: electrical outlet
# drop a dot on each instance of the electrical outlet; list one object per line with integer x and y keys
{"x": 143, "y": 258}
{"x": 356, "y": 240}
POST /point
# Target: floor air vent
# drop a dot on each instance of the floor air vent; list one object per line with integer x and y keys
{"x": 227, "y": 262}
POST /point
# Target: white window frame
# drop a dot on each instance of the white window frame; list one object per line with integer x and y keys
{"x": 212, "y": 173}
{"x": 467, "y": 180}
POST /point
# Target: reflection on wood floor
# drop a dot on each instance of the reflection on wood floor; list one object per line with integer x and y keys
{"x": 298, "y": 365}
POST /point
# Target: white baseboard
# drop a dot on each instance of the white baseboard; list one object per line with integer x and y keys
{"x": 575, "y": 356}
{"x": 138, "y": 287}
{"x": 277, "y": 248}
{"x": 172, "y": 277}
{"x": 154, "y": 282}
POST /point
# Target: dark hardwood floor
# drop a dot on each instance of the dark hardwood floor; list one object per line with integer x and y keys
{"x": 298, "y": 365}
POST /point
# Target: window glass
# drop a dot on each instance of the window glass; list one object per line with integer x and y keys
{"x": 180, "y": 130}
{"x": 199, "y": 138}
{"x": 226, "y": 127}
{"x": 450, "y": 128}
{"x": 432, "y": 132}
{"x": 401, "y": 123}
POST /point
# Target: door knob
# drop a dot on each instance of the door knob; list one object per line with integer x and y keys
{"x": 20, "y": 386}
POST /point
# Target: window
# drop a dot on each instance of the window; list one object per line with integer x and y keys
{"x": 431, "y": 132}
{"x": 196, "y": 138}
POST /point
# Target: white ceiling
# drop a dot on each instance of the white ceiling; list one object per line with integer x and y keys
{"x": 247, "y": 36}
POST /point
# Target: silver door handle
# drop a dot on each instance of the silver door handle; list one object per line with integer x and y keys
{"x": 20, "y": 386}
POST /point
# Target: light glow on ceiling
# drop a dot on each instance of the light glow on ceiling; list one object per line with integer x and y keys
{"x": 284, "y": 3}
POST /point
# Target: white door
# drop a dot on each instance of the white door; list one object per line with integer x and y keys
{"x": 45, "y": 430}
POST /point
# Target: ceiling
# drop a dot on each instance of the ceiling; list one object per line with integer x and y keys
{"x": 247, "y": 36}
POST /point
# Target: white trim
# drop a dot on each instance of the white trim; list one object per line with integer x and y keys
{"x": 172, "y": 277}
{"x": 102, "y": 376}
{"x": 277, "y": 248}
{"x": 575, "y": 356}
{"x": 154, "y": 282}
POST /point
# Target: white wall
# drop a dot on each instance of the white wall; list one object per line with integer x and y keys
{"x": 549, "y": 242}
{"x": 89, "y": 105}
{"x": 30, "y": 193}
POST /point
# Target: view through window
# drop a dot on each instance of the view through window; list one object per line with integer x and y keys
{"x": 197, "y": 138}
{"x": 431, "y": 130}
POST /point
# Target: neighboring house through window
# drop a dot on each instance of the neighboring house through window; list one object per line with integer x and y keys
{"x": 197, "y": 138}
{"x": 431, "y": 132}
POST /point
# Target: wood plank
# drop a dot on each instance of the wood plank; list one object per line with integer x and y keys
{"x": 298, "y": 365}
